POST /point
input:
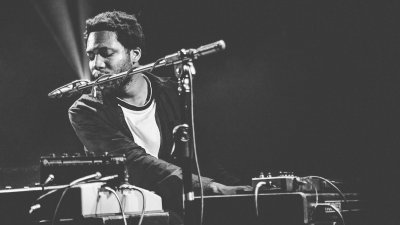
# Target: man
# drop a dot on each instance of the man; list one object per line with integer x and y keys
{"x": 134, "y": 115}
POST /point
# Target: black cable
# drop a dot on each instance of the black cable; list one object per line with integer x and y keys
{"x": 35, "y": 206}
{"x": 53, "y": 221}
{"x": 97, "y": 201}
{"x": 49, "y": 193}
{"x": 195, "y": 150}
{"x": 96, "y": 175}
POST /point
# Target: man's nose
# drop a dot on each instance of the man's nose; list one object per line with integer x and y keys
{"x": 98, "y": 62}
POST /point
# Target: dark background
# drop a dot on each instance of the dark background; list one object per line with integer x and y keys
{"x": 303, "y": 86}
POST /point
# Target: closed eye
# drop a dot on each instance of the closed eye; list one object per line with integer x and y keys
{"x": 103, "y": 52}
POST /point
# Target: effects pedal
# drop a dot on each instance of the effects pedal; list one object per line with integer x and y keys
{"x": 283, "y": 182}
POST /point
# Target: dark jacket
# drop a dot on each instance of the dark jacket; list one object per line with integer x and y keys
{"x": 100, "y": 125}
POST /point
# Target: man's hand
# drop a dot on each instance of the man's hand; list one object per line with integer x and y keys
{"x": 217, "y": 188}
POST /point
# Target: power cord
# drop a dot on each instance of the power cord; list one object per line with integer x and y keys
{"x": 85, "y": 178}
{"x": 96, "y": 175}
{"x": 194, "y": 144}
{"x": 53, "y": 221}
{"x": 119, "y": 203}
{"x": 128, "y": 186}
{"x": 256, "y": 190}
{"x": 331, "y": 184}
{"x": 317, "y": 204}
{"x": 316, "y": 193}
{"x": 337, "y": 211}
{"x": 195, "y": 151}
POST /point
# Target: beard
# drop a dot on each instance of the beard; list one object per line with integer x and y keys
{"x": 117, "y": 87}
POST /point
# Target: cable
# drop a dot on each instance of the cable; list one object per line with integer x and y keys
{"x": 338, "y": 212}
{"x": 128, "y": 186}
{"x": 144, "y": 205}
{"x": 316, "y": 193}
{"x": 315, "y": 189}
{"x": 37, "y": 206}
{"x": 334, "y": 209}
{"x": 49, "y": 193}
{"x": 34, "y": 207}
{"x": 96, "y": 175}
{"x": 119, "y": 203}
{"x": 53, "y": 221}
{"x": 97, "y": 201}
{"x": 326, "y": 204}
{"x": 195, "y": 150}
{"x": 103, "y": 179}
{"x": 330, "y": 183}
{"x": 256, "y": 189}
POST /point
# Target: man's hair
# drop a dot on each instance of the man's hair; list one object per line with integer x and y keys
{"x": 129, "y": 31}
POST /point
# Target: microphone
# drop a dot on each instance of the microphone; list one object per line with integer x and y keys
{"x": 96, "y": 176}
{"x": 70, "y": 88}
{"x": 49, "y": 179}
{"x": 195, "y": 53}
{"x": 75, "y": 87}
{"x": 37, "y": 206}
{"x": 210, "y": 48}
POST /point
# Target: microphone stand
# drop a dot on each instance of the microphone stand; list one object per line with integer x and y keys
{"x": 180, "y": 57}
{"x": 183, "y": 136}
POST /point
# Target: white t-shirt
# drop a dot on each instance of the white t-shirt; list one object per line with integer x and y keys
{"x": 142, "y": 123}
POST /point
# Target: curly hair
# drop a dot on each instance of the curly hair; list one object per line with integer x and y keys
{"x": 129, "y": 31}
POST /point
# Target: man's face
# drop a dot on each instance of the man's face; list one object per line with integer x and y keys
{"x": 108, "y": 56}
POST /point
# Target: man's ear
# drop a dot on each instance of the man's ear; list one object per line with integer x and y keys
{"x": 135, "y": 55}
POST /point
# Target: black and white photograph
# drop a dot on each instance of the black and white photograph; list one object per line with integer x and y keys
{"x": 225, "y": 112}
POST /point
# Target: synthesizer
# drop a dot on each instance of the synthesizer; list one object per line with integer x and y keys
{"x": 294, "y": 208}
